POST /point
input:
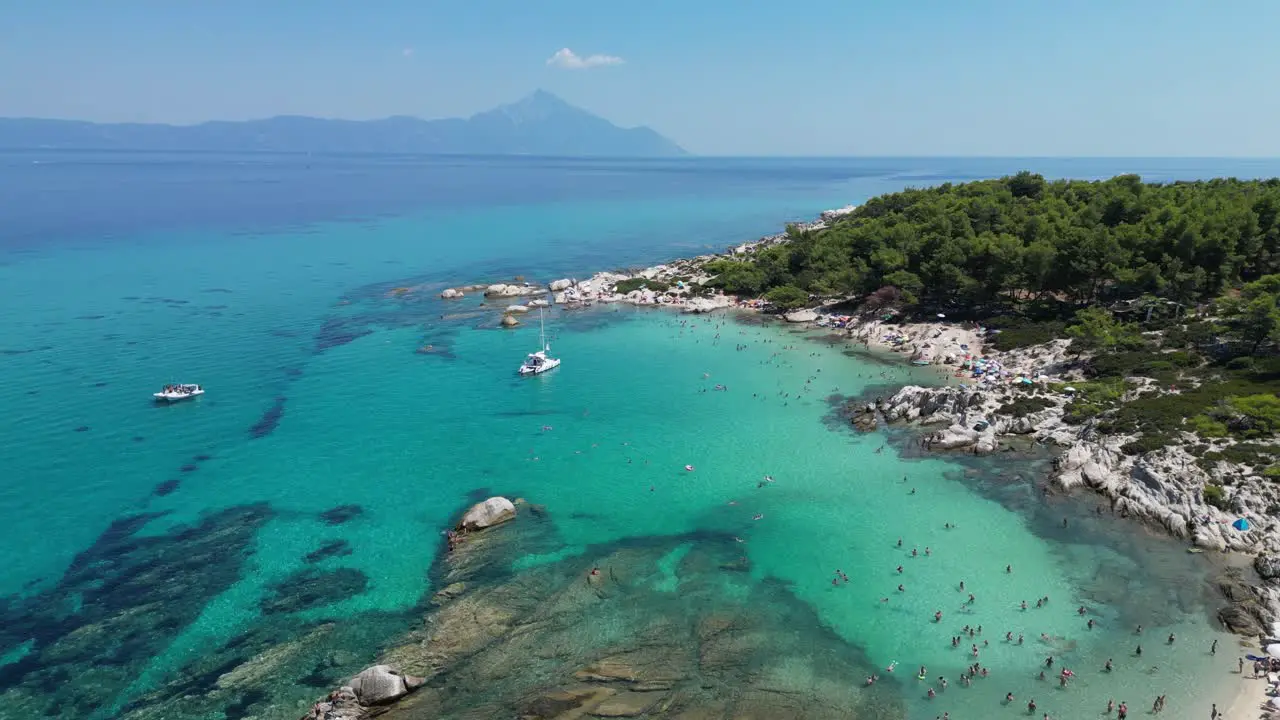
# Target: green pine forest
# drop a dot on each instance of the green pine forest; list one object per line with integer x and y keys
{"x": 1176, "y": 282}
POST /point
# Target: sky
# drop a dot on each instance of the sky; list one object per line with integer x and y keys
{"x": 719, "y": 77}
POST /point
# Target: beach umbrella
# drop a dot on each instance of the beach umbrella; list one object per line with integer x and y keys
{"x": 1241, "y": 524}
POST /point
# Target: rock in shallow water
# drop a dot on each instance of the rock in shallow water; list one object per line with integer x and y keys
{"x": 380, "y": 684}
{"x": 494, "y": 511}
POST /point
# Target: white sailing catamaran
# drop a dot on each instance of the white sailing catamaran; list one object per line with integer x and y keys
{"x": 539, "y": 362}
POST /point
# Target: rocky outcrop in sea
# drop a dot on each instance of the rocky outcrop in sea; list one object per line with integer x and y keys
{"x": 603, "y": 635}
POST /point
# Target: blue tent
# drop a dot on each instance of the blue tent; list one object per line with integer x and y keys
{"x": 1241, "y": 524}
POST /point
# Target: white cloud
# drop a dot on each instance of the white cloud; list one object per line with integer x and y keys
{"x": 407, "y": 52}
{"x": 570, "y": 60}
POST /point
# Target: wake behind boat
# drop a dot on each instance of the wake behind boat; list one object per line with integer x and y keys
{"x": 175, "y": 393}
{"x": 539, "y": 362}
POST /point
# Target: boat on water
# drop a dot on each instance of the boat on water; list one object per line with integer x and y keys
{"x": 539, "y": 362}
{"x": 178, "y": 392}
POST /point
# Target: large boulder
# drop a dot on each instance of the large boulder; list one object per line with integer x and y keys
{"x": 379, "y": 684}
{"x": 451, "y": 294}
{"x": 560, "y": 285}
{"x": 706, "y": 305}
{"x": 800, "y": 316}
{"x": 494, "y": 511}
{"x": 496, "y": 290}
{"x": 1267, "y": 565}
{"x": 509, "y": 321}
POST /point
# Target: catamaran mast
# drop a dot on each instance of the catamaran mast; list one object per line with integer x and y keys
{"x": 542, "y": 332}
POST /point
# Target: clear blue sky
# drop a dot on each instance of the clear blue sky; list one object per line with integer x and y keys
{"x": 823, "y": 77}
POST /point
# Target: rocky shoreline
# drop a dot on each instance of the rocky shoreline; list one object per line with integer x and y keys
{"x": 1163, "y": 488}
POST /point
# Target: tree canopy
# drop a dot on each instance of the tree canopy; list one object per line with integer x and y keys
{"x": 983, "y": 244}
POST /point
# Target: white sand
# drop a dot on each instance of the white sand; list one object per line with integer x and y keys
{"x": 1250, "y": 701}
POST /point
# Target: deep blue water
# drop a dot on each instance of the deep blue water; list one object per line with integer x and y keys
{"x": 87, "y": 196}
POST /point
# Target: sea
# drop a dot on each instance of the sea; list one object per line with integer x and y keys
{"x": 351, "y": 414}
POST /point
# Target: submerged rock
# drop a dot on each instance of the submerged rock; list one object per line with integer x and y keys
{"x": 509, "y": 321}
{"x": 494, "y": 511}
{"x": 309, "y": 589}
{"x": 801, "y": 316}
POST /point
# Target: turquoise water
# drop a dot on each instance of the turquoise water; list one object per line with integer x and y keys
{"x": 318, "y": 398}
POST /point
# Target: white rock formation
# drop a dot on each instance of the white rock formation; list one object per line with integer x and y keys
{"x": 378, "y": 684}
{"x": 706, "y": 305}
{"x": 451, "y": 294}
{"x": 559, "y": 285}
{"x": 494, "y": 511}
{"x": 800, "y": 316}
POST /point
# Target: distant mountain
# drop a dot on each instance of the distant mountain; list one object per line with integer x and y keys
{"x": 540, "y": 124}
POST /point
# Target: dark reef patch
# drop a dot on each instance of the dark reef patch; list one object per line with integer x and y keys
{"x": 216, "y": 290}
{"x": 479, "y": 494}
{"x": 134, "y": 594}
{"x": 341, "y": 514}
{"x": 201, "y": 458}
{"x": 24, "y": 351}
{"x": 90, "y": 317}
{"x": 82, "y": 428}
{"x": 189, "y": 467}
{"x": 166, "y": 487}
{"x": 137, "y": 438}
{"x": 241, "y": 708}
{"x": 100, "y": 384}
{"x": 269, "y": 420}
{"x": 330, "y": 549}
{"x": 339, "y": 331}
{"x": 309, "y": 589}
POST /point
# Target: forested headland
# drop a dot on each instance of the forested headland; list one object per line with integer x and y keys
{"x": 1176, "y": 282}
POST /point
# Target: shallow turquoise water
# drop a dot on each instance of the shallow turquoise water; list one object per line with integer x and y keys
{"x": 601, "y": 442}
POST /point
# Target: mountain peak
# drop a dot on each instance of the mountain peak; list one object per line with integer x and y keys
{"x": 537, "y": 106}
{"x": 538, "y": 124}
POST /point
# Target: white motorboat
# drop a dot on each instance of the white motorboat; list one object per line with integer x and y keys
{"x": 180, "y": 391}
{"x": 539, "y": 362}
